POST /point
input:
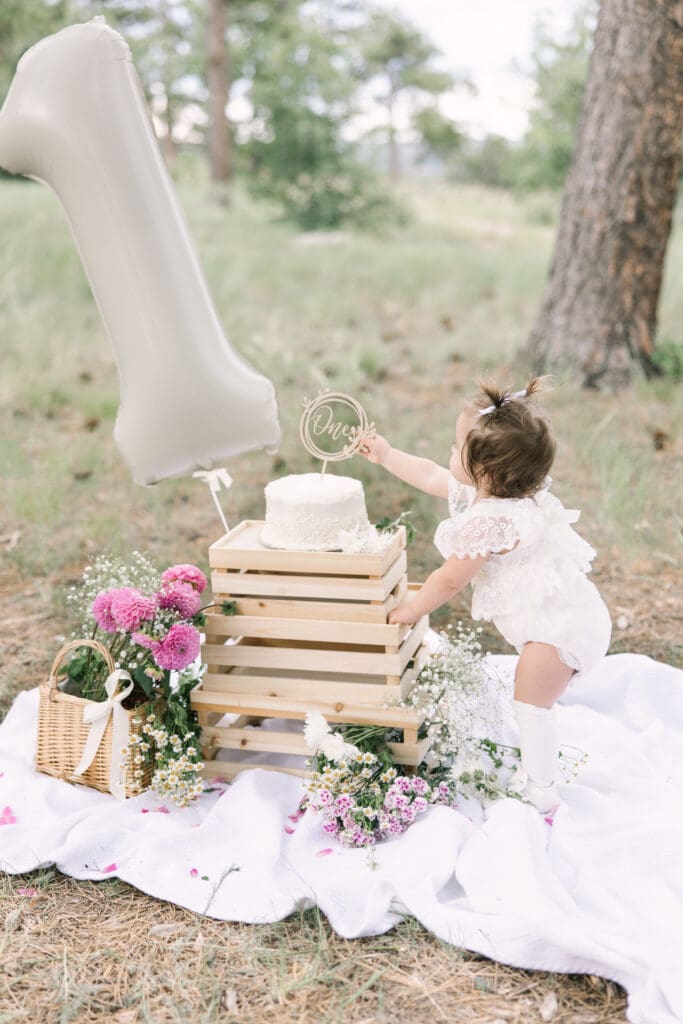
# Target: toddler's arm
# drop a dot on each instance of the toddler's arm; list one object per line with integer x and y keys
{"x": 443, "y": 584}
{"x": 421, "y": 473}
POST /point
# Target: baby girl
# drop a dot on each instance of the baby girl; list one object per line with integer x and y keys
{"x": 512, "y": 539}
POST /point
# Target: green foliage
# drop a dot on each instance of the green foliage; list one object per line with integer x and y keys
{"x": 301, "y": 90}
{"x": 22, "y": 23}
{"x": 668, "y": 356}
{"x": 392, "y": 50}
{"x": 490, "y": 161}
{"x": 386, "y": 525}
{"x": 560, "y": 72}
{"x": 438, "y": 134}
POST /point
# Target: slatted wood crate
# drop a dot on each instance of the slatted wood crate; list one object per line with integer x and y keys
{"x": 310, "y": 632}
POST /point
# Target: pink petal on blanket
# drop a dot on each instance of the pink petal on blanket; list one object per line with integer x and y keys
{"x": 289, "y": 831}
{"x": 109, "y": 868}
{"x": 324, "y": 853}
{"x": 193, "y": 872}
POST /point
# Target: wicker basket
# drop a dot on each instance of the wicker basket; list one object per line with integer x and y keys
{"x": 62, "y": 733}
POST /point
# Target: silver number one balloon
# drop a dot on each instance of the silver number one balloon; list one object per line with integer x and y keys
{"x": 76, "y": 119}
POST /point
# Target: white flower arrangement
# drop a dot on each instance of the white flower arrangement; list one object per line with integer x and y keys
{"x": 460, "y": 701}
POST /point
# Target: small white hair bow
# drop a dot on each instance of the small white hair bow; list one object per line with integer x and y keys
{"x": 492, "y": 408}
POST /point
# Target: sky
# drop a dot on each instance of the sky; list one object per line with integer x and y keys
{"x": 486, "y": 39}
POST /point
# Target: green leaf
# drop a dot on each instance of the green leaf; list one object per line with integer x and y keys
{"x": 143, "y": 681}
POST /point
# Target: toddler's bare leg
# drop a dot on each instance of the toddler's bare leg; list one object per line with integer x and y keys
{"x": 540, "y": 679}
{"x": 541, "y": 675}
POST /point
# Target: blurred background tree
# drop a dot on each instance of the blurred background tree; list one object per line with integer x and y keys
{"x": 327, "y": 109}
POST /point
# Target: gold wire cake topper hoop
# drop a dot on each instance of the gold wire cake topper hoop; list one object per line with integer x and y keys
{"x": 319, "y": 420}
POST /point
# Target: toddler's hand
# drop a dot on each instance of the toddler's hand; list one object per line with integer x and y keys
{"x": 375, "y": 448}
{"x": 404, "y": 614}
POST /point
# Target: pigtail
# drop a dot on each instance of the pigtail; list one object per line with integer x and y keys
{"x": 536, "y": 384}
{"x": 490, "y": 395}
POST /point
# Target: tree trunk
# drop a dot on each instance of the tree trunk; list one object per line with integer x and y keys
{"x": 394, "y": 158}
{"x": 599, "y": 311}
{"x": 220, "y": 155}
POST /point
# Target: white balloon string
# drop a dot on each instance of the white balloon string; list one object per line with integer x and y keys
{"x": 214, "y": 478}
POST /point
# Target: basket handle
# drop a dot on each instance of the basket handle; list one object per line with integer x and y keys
{"x": 72, "y": 645}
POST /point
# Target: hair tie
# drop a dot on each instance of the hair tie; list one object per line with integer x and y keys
{"x": 506, "y": 398}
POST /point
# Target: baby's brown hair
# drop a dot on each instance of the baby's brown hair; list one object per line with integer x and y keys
{"x": 511, "y": 445}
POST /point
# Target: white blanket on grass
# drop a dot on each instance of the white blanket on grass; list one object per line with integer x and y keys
{"x": 599, "y": 891}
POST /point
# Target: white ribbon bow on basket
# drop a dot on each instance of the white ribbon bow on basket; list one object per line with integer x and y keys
{"x": 96, "y": 714}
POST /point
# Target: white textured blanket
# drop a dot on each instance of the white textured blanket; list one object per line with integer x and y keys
{"x": 600, "y": 890}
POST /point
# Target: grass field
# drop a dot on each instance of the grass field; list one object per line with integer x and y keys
{"x": 406, "y": 321}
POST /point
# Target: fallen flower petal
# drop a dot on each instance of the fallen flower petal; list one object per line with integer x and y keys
{"x": 31, "y": 893}
{"x": 289, "y": 831}
{"x": 324, "y": 853}
{"x": 193, "y": 872}
{"x": 109, "y": 868}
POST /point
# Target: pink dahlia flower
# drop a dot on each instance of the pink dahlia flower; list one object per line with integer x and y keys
{"x": 143, "y": 640}
{"x": 101, "y": 609}
{"x": 130, "y": 608}
{"x": 179, "y": 648}
{"x": 181, "y": 596}
{"x": 185, "y": 574}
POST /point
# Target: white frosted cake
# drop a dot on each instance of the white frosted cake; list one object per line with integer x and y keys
{"x": 317, "y": 512}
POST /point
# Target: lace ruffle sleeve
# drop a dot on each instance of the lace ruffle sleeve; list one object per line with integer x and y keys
{"x": 476, "y": 536}
{"x": 459, "y": 496}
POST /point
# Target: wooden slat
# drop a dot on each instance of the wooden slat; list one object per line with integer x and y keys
{"x": 276, "y": 707}
{"x": 410, "y": 753}
{"x": 295, "y": 655}
{"x": 354, "y": 689}
{"x": 333, "y": 611}
{"x": 334, "y": 588}
{"x": 241, "y": 549}
{"x": 271, "y": 741}
{"x": 305, "y": 629}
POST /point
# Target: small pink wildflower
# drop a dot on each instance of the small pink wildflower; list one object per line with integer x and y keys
{"x": 30, "y": 893}
{"x": 130, "y": 608}
{"x": 185, "y": 573}
{"x": 109, "y": 868}
{"x": 182, "y": 597}
{"x": 179, "y": 648}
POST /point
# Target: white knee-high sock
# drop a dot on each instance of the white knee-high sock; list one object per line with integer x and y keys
{"x": 539, "y": 745}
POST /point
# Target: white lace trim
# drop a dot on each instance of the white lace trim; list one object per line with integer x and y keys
{"x": 549, "y": 556}
{"x": 481, "y": 535}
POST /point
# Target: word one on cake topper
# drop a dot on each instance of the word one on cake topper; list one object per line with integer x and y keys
{"x": 324, "y": 419}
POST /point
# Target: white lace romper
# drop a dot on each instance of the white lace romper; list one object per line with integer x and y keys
{"x": 538, "y": 590}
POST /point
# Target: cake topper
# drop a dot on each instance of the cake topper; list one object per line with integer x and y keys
{"x": 331, "y": 418}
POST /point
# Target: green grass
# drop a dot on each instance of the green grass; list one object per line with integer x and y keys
{"x": 406, "y": 320}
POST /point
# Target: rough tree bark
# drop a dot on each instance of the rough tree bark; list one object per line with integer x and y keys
{"x": 220, "y": 154}
{"x": 598, "y": 315}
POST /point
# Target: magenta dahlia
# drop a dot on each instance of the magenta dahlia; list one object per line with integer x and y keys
{"x": 130, "y": 608}
{"x": 101, "y": 609}
{"x": 180, "y": 596}
{"x": 185, "y": 573}
{"x": 179, "y": 647}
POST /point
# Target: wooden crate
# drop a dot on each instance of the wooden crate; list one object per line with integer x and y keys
{"x": 310, "y": 633}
